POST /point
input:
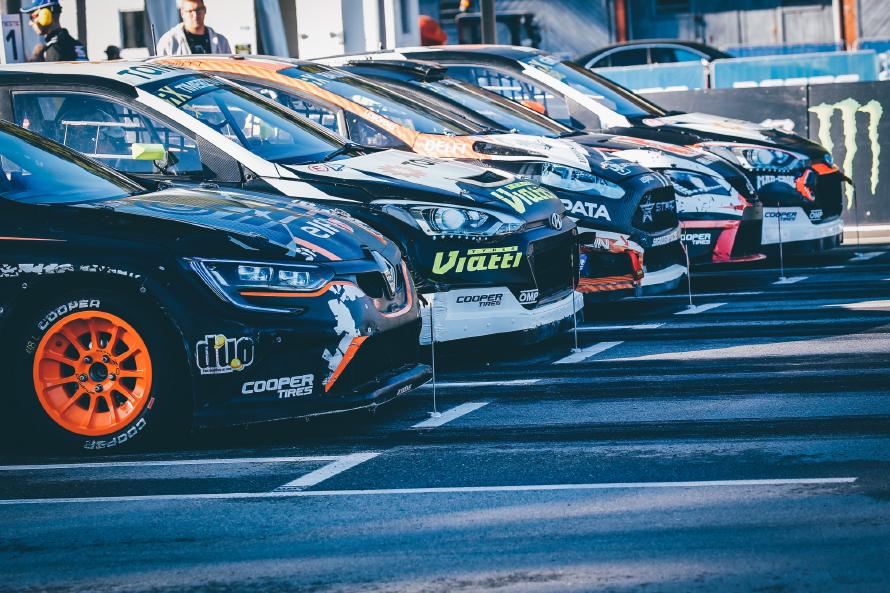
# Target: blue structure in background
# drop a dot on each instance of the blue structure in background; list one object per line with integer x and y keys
{"x": 753, "y": 51}
{"x": 856, "y": 66}
{"x": 663, "y": 77}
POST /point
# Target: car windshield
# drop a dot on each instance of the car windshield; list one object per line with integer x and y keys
{"x": 605, "y": 92}
{"x": 263, "y": 128}
{"x": 394, "y": 106}
{"x": 469, "y": 101}
{"x": 35, "y": 170}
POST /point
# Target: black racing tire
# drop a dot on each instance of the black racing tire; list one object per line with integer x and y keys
{"x": 123, "y": 391}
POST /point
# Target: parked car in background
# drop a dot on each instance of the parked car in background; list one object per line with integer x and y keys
{"x": 465, "y": 230}
{"x": 127, "y": 312}
{"x": 795, "y": 178}
{"x": 650, "y": 51}
{"x": 606, "y": 194}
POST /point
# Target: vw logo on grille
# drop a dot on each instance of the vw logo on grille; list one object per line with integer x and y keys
{"x": 556, "y": 221}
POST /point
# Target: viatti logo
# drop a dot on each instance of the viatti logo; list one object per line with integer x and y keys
{"x": 848, "y": 108}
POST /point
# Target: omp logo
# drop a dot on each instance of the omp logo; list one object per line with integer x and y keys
{"x": 588, "y": 209}
{"x": 484, "y": 300}
{"x": 521, "y": 194}
{"x": 848, "y": 108}
{"x": 217, "y": 354}
{"x": 697, "y": 238}
{"x": 816, "y": 214}
{"x": 477, "y": 260}
{"x": 528, "y": 296}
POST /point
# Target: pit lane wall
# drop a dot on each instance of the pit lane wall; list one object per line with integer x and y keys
{"x": 852, "y": 120}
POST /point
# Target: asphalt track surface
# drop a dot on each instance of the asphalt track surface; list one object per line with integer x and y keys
{"x": 737, "y": 447}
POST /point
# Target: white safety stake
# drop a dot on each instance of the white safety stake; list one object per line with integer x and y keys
{"x": 688, "y": 275}
{"x": 435, "y": 413}
{"x": 781, "y": 250}
{"x": 574, "y": 306}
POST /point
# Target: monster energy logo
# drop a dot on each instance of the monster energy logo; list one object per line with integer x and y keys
{"x": 848, "y": 109}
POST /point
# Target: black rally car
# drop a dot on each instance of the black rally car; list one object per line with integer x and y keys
{"x": 169, "y": 124}
{"x": 123, "y": 310}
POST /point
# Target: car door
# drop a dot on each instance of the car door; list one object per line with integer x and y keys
{"x": 120, "y": 134}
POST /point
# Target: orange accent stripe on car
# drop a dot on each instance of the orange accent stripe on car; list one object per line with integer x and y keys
{"x": 800, "y": 184}
{"x": 605, "y": 283}
{"x": 29, "y": 239}
{"x": 723, "y": 246}
{"x": 347, "y": 358}
{"x": 823, "y": 169}
{"x": 294, "y": 295}
{"x": 320, "y": 250}
{"x": 708, "y": 224}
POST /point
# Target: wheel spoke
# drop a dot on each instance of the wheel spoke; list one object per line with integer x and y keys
{"x": 129, "y": 354}
{"x": 94, "y": 334}
{"x": 109, "y": 401}
{"x": 49, "y": 355}
{"x": 112, "y": 341}
{"x": 90, "y": 411}
{"x": 129, "y": 395}
{"x": 138, "y": 374}
{"x": 47, "y": 383}
{"x": 71, "y": 401}
{"x": 69, "y": 335}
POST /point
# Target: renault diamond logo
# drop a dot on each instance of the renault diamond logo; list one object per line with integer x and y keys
{"x": 556, "y": 220}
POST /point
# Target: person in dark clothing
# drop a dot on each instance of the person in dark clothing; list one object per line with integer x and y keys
{"x": 58, "y": 44}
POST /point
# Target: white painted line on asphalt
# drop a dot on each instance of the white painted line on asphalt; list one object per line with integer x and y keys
{"x": 447, "y": 384}
{"x": 833, "y": 267}
{"x": 696, "y": 309}
{"x": 171, "y": 462}
{"x": 594, "y": 328}
{"x": 586, "y": 353}
{"x": 329, "y": 471}
{"x": 790, "y": 280}
{"x": 863, "y": 306}
{"x": 452, "y": 490}
{"x": 698, "y": 295}
{"x": 452, "y": 414}
{"x": 867, "y": 255}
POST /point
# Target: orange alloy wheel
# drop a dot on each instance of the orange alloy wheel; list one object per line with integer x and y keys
{"x": 92, "y": 373}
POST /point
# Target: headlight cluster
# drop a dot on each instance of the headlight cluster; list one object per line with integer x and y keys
{"x": 688, "y": 183}
{"x": 453, "y": 221}
{"x": 577, "y": 180}
{"x": 242, "y": 283}
{"x": 758, "y": 158}
{"x": 493, "y": 149}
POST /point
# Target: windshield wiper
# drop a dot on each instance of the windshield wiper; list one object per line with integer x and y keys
{"x": 348, "y": 148}
{"x": 569, "y": 133}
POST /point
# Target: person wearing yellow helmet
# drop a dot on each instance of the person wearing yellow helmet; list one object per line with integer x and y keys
{"x": 58, "y": 44}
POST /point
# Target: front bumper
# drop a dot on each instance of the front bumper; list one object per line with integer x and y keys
{"x": 478, "y": 312}
{"x": 798, "y": 228}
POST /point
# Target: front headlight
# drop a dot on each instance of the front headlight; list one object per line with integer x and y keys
{"x": 688, "y": 183}
{"x": 493, "y": 149}
{"x": 577, "y": 180}
{"x": 439, "y": 220}
{"x": 261, "y": 286}
{"x": 758, "y": 158}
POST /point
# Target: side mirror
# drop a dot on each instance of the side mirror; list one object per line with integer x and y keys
{"x": 148, "y": 152}
{"x": 534, "y": 106}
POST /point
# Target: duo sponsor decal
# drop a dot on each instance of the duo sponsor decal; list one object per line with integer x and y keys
{"x": 848, "y": 108}
{"x": 477, "y": 260}
{"x": 521, "y": 194}
{"x": 484, "y": 300}
{"x": 587, "y": 209}
{"x": 697, "y": 238}
{"x": 285, "y": 387}
{"x": 217, "y": 355}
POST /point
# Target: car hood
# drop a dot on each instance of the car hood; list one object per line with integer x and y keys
{"x": 396, "y": 174}
{"x": 692, "y": 128}
{"x": 252, "y": 223}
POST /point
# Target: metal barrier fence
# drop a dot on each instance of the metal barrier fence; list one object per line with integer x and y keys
{"x": 793, "y": 69}
{"x": 659, "y": 77}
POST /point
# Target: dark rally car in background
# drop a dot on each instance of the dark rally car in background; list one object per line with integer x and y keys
{"x": 621, "y": 208}
{"x": 466, "y": 232}
{"x": 125, "y": 311}
{"x": 795, "y": 178}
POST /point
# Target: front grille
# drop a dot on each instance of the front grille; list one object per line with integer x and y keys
{"x": 657, "y": 211}
{"x": 553, "y": 264}
{"x": 663, "y": 256}
{"x": 380, "y": 356}
{"x": 829, "y": 194}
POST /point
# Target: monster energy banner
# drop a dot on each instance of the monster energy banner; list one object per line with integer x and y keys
{"x": 852, "y": 120}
